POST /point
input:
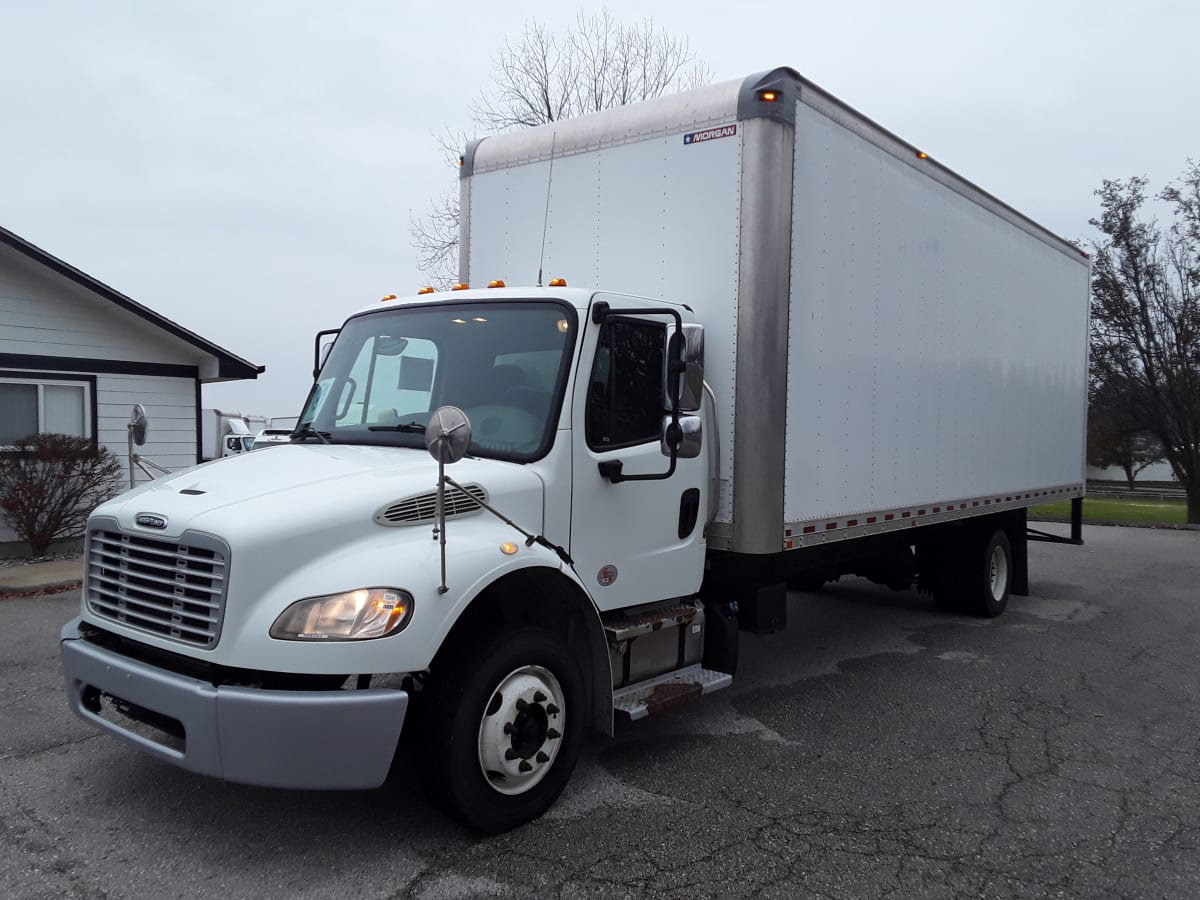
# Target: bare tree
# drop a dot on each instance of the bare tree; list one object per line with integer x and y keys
{"x": 1146, "y": 316}
{"x": 598, "y": 63}
{"x": 50, "y": 485}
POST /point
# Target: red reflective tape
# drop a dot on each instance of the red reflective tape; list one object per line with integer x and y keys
{"x": 888, "y": 517}
{"x": 788, "y": 545}
{"x": 937, "y": 509}
{"x": 852, "y": 523}
{"x": 905, "y": 515}
{"x": 829, "y": 526}
{"x": 974, "y": 502}
{"x": 809, "y": 529}
{"x": 920, "y": 512}
{"x": 787, "y": 532}
{"x": 871, "y": 520}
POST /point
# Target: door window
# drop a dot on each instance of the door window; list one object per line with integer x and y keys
{"x": 624, "y": 400}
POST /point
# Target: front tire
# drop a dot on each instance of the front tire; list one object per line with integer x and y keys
{"x": 506, "y": 727}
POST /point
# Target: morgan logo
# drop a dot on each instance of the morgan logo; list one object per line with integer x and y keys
{"x": 711, "y": 134}
{"x": 151, "y": 520}
{"x": 606, "y": 576}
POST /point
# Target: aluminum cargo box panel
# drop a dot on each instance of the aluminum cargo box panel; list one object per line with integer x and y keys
{"x": 936, "y": 349}
{"x": 655, "y": 217}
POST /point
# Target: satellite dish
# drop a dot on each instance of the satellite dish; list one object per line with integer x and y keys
{"x": 448, "y": 434}
{"x": 138, "y": 424}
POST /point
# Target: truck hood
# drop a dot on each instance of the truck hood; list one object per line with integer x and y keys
{"x": 329, "y": 492}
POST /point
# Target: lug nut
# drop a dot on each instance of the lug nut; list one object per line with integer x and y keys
{"x": 553, "y": 734}
{"x": 539, "y": 697}
{"x": 510, "y": 754}
{"x": 551, "y": 710}
{"x": 522, "y": 705}
{"x": 542, "y": 757}
{"x": 524, "y": 766}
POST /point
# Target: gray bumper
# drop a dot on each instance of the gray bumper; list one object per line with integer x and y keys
{"x": 284, "y": 739}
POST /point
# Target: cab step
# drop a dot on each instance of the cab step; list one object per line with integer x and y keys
{"x": 665, "y": 692}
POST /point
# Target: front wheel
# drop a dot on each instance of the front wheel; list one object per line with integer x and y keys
{"x": 506, "y": 719}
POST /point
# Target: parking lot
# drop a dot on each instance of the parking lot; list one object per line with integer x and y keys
{"x": 877, "y": 748}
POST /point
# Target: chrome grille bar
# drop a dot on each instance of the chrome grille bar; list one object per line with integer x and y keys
{"x": 174, "y": 588}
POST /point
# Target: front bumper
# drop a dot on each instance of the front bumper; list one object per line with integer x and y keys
{"x": 285, "y": 739}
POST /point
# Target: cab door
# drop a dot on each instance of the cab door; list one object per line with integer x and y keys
{"x": 634, "y": 541}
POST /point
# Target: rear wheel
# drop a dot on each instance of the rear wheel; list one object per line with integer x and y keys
{"x": 505, "y": 729}
{"x": 975, "y": 575}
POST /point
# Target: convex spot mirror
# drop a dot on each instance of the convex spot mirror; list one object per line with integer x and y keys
{"x": 685, "y": 348}
{"x": 687, "y": 440}
{"x": 448, "y": 434}
{"x": 138, "y": 425}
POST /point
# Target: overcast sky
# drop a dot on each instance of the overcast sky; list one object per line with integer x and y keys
{"x": 248, "y": 169}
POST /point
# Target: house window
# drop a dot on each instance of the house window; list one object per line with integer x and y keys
{"x": 29, "y": 407}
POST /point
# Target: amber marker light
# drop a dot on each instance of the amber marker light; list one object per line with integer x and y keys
{"x": 768, "y": 96}
{"x": 425, "y": 290}
{"x": 508, "y": 548}
{"x": 558, "y": 282}
{"x": 495, "y": 282}
{"x": 386, "y": 297}
{"x": 921, "y": 154}
{"x": 461, "y": 286}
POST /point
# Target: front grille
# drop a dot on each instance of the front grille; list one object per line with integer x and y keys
{"x": 423, "y": 507}
{"x": 171, "y": 588}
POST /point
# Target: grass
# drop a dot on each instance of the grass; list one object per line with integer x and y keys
{"x": 1120, "y": 510}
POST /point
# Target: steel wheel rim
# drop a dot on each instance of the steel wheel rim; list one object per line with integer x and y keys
{"x": 521, "y": 731}
{"x": 998, "y": 573}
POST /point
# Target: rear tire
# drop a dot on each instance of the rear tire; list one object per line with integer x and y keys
{"x": 505, "y": 727}
{"x": 988, "y": 596}
{"x": 975, "y": 575}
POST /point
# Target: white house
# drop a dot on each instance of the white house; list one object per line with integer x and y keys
{"x": 76, "y": 355}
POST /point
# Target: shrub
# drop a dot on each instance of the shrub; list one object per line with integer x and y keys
{"x": 50, "y": 485}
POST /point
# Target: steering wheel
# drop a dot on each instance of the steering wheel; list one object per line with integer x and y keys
{"x": 504, "y": 427}
{"x": 532, "y": 400}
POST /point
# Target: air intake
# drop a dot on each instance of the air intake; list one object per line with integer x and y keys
{"x": 422, "y": 509}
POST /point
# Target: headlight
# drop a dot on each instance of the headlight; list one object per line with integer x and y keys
{"x": 353, "y": 616}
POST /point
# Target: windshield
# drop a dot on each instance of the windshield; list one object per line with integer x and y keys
{"x": 504, "y": 364}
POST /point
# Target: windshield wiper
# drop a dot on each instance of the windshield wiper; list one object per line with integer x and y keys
{"x": 306, "y": 430}
{"x": 406, "y": 427}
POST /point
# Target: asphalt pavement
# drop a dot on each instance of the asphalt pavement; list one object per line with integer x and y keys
{"x": 878, "y": 748}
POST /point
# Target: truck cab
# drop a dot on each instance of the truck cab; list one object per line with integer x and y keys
{"x": 269, "y": 617}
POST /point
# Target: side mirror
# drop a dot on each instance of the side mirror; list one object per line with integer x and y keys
{"x": 685, "y": 355}
{"x": 687, "y": 439}
{"x": 321, "y": 351}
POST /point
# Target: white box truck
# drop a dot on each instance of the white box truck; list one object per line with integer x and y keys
{"x": 223, "y": 434}
{"x": 509, "y": 514}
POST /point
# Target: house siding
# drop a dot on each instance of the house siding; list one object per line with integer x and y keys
{"x": 43, "y": 315}
{"x": 170, "y": 405}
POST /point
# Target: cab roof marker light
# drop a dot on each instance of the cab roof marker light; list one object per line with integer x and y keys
{"x": 386, "y": 297}
{"x": 425, "y": 290}
{"x": 496, "y": 283}
{"x": 558, "y": 282}
{"x": 461, "y": 286}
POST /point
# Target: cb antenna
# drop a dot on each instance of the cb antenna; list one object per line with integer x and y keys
{"x": 546, "y": 214}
